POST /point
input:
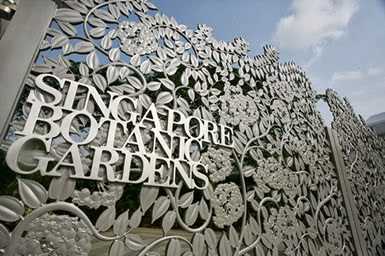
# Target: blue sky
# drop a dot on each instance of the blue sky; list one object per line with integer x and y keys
{"x": 340, "y": 43}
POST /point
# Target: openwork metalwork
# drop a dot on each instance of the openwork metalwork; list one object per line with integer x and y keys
{"x": 363, "y": 153}
{"x": 273, "y": 191}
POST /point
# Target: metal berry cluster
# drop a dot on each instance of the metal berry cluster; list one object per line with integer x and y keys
{"x": 53, "y": 234}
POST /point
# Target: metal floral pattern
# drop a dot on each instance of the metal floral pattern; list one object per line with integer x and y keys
{"x": 276, "y": 193}
{"x": 363, "y": 153}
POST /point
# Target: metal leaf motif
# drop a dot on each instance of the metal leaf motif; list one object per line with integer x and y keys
{"x": 134, "y": 242}
{"x": 154, "y": 86}
{"x": 11, "y": 209}
{"x": 148, "y": 196}
{"x": 92, "y": 60}
{"x": 84, "y": 47}
{"x": 106, "y": 219}
{"x": 117, "y": 248}
{"x": 135, "y": 219}
{"x": 114, "y": 54}
{"x": 168, "y": 221}
{"x": 43, "y": 68}
{"x": 135, "y": 60}
{"x": 192, "y": 214}
{"x": 100, "y": 82}
{"x": 5, "y": 237}
{"x": 167, "y": 83}
{"x": 191, "y": 94}
{"x": 121, "y": 223}
{"x": 234, "y": 237}
{"x": 104, "y": 15}
{"x": 198, "y": 244}
{"x": 224, "y": 246}
{"x": 145, "y": 100}
{"x": 174, "y": 248}
{"x": 112, "y": 74}
{"x": 203, "y": 209}
{"x": 164, "y": 98}
{"x": 124, "y": 72}
{"x": 62, "y": 187}
{"x": 32, "y": 193}
{"x": 83, "y": 69}
{"x": 259, "y": 250}
{"x": 135, "y": 82}
{"x": 98, "y": 32}
{"x": 106, "y": 42}
{"x": 67, "y": 28}
{"x": 160, "y": 207}
{"x": 186, "y": 199}
{"x": 210, "y": 238}
{"x": 68, "y": 15}
{"x": 59, "y": 41}
{"x": 145, "y": 67}
{"x": 78, "y": 6}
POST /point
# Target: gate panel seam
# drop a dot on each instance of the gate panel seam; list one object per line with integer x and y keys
{"x": 347, "y": 193}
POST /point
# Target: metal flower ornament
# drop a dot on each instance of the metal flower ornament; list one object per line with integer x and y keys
{"x": 227, "y": 147}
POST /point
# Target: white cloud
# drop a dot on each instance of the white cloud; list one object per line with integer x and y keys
{"x": 347, "y": 76}
{"x": 317, "y": 52}
{"x": 314, "y": 22}
{"x": 374, "y": 71}
{"x": 354, "y": 75}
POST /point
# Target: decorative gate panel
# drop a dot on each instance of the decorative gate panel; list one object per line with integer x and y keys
{"x": 363, "y": 153}
{"x": 130, "y": 120}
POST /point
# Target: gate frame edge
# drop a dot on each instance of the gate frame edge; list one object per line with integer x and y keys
{"x": 351, "y": 209}
{"x": 19, "y": 47}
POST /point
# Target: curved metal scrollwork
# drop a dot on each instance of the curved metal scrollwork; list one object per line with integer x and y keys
{"x": 363, "y": 153}
{"x": 275, "y": 193}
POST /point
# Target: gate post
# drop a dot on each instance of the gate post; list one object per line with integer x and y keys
{"x": 351, "y": 209}
{"x": 19, "y": 46}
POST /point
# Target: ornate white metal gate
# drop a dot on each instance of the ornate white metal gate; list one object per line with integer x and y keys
{"x": 122, "y": 102}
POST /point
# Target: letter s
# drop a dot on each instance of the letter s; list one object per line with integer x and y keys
{"x": 200, "y": 176}
{"x": 42, "y": 85}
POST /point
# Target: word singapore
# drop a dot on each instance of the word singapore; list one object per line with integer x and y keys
{"x": 159, "y": 147}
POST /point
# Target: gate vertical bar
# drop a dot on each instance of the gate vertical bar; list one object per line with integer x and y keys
{"x": 347, "y": 193}
{"x": 18, "y": 48}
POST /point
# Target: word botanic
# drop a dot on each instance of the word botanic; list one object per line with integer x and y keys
{"x": 173, "y": 138}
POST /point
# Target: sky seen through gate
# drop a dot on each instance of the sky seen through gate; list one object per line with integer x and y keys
{"x": 339, "y": 43}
